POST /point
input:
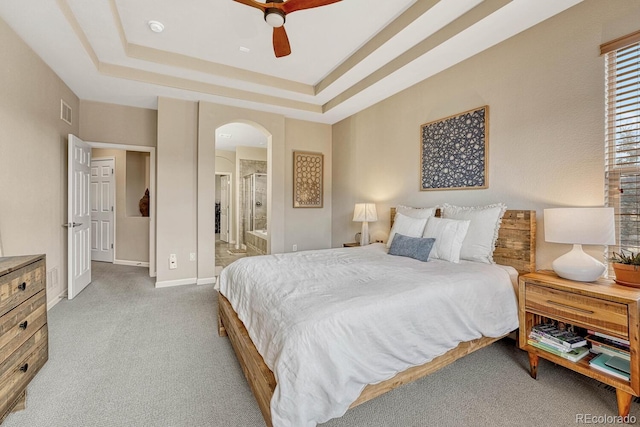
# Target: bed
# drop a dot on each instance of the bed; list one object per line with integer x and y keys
{"x": 370, "y": 266}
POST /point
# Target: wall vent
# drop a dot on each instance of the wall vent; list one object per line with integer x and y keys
{"x": 52, "y": 278}
{"x": 65, "y": 112}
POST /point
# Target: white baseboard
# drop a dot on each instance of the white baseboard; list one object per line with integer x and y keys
{"x": 179, "y": 282}
{"x": 56, "y": 300}
{"x": 132, "y": 263}
{"x": 206, "y": 281}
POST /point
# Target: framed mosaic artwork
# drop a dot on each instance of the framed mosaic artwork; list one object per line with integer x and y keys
{"x": 307, "y": 179}
{"x": 454, "y": 151}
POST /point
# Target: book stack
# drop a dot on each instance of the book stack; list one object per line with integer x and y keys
{"x": 562, "y": 343}
{"x": 613, "y": 355}
{"x": 607, "y": 344}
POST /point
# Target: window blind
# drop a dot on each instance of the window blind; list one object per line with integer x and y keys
{"x": 622, "y": 142}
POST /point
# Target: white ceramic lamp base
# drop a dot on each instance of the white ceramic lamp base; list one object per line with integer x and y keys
{"x": 364, "y": 234}
{"x": 577, "y": 265}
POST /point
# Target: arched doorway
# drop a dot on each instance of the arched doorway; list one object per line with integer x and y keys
{"x": 242, "y": 150}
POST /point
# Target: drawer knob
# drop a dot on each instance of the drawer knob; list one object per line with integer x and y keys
{"x": 24, "y": 367}
{"x": 23, "y": 325}
{"x": 22, "y": 286}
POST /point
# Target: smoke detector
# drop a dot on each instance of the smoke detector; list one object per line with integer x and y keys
{"x": 156, "y": 26}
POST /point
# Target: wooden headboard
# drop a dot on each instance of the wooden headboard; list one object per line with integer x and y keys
{"x": 516, "y": 244}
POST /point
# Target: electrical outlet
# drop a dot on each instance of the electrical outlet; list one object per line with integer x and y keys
{"x": 295, "y": 248}
{"x": 173, "y": 262}
{"x": 192, "y": 256}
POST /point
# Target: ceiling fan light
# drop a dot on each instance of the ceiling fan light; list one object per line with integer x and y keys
{"x": 274, "y": 17}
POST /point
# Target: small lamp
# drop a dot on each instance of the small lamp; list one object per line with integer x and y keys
{"x": 365, "y": 212}
{"x": 579, "y": 226}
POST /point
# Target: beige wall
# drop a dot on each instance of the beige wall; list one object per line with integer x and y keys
{"x": 118, "y": 124}
{"x": 33, "y": 150}
{"x": 545, "y": 91}
{"x": 132, "y": 232}
{"x": 307, "y": 228}
{"x": 176, "y": 219}
{"x": 225, "y": 161}
{"x": 137, "y": 180}
{"x": 250, "y": 153}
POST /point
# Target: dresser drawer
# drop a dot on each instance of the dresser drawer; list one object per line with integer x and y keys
{"x": 588, "y": 312}
{"x": 21, "y": 367}
{"x": 22, "y": 322}
{"x": 19, "y": 285}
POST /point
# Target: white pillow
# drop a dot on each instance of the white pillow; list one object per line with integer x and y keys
{"x": 412, "y": 227}
{"x": 416, "y": 212}
{"x": 483, "y": 230}
{"x": 449, "y": 235}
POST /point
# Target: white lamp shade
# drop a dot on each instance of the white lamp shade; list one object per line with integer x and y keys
{"x": 584, "y": 226}
{"x": 579, "y": 226}
{"x": 365, "y": 212}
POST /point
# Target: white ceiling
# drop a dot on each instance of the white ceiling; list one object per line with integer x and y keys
{"x": 345, "y": 56}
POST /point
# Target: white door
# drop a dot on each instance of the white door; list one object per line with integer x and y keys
{"x": 78, "y": 216}
{"x": 225, "y": 193}
{"x": 102, "y": 209}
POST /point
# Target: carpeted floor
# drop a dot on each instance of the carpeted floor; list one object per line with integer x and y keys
{"x": 123, "y": 353}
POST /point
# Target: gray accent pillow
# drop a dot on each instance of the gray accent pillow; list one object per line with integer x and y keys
{"x": 412, "y": 247}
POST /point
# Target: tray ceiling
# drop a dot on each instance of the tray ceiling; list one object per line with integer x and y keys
{"x": 345, "y": 56}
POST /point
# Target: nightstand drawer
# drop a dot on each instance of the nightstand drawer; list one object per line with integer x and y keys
{"x": 21, "y": 284}
{"x": 22, "y": 322}
{"x": 588, "y": 312}
{"x": 21, "y": 367}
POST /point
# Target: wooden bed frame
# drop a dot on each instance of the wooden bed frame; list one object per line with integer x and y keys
{"x": 515, "y": 247}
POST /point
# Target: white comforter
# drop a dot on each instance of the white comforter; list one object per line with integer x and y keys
{"x": 329, "y": 322}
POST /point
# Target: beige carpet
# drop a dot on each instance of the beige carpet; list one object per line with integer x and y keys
{"x": 126, "y": 354}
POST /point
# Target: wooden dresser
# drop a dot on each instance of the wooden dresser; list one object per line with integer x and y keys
{"x": 23, "y": 327}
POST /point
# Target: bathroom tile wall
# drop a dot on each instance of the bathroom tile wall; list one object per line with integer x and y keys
{"x": 248, "y": 167}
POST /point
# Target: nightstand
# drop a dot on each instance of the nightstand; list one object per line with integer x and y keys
{"x": 600, "y": 306}
{"x": 350, "y": 245}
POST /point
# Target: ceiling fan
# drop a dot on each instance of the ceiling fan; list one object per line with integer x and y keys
{"x": 275, "y": 13}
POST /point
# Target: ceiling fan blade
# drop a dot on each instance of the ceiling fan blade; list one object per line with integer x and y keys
{"x": 253, "y": 3}
{"x": 281, "y": 45}
{"x": 293, "y": 5}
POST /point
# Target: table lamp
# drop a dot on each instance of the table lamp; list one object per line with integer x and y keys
{"x": 365, "y": 212}
{"x": 579, "y": 226}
